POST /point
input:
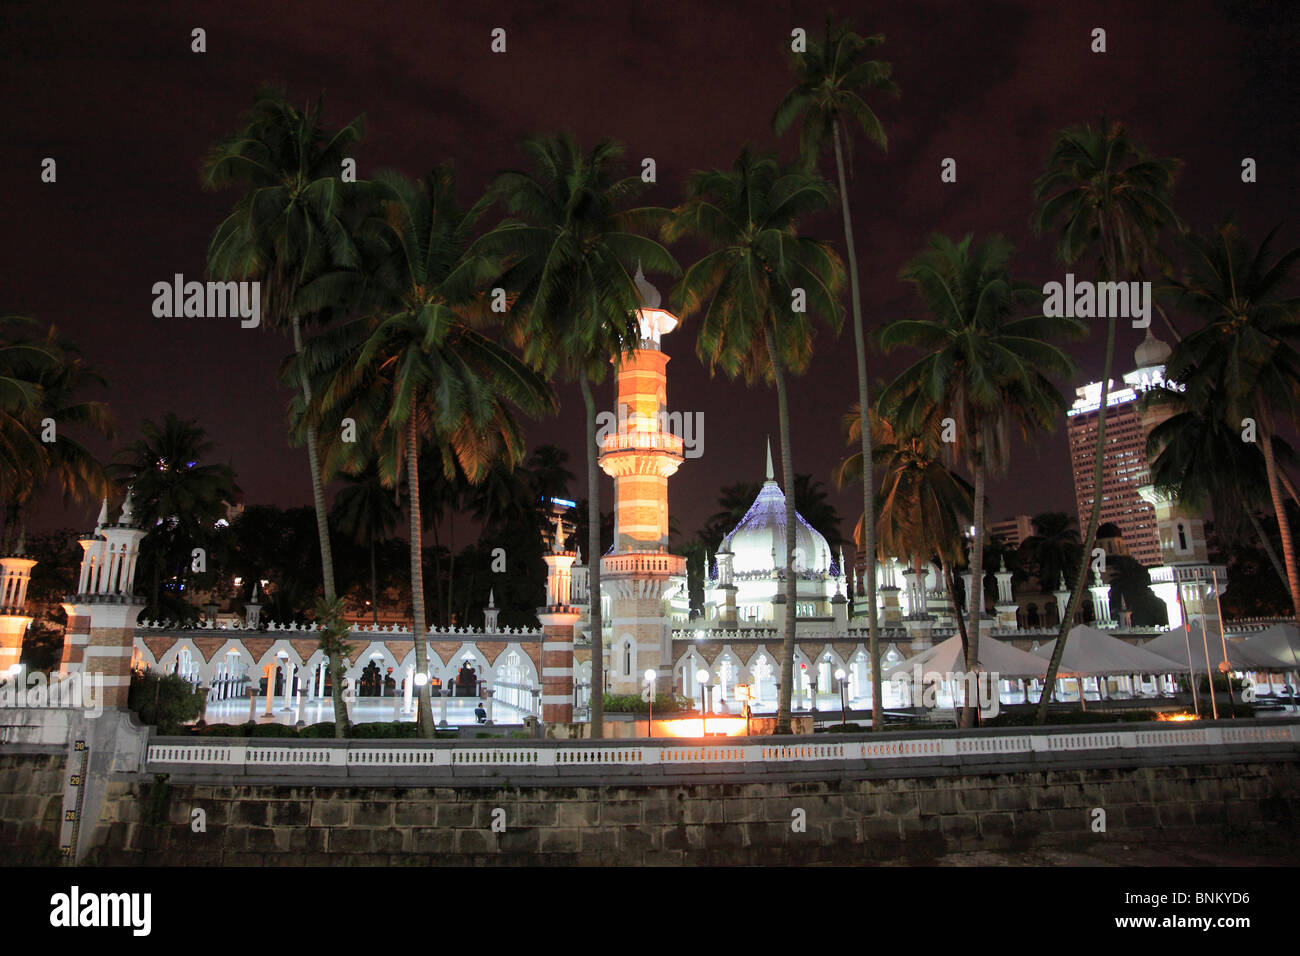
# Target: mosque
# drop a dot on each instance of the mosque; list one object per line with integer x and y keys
{"x": 648, "y": 635}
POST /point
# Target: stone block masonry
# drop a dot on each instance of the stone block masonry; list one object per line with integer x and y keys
{"x": 847, "y": 821}
{"x": 31, "y": 805}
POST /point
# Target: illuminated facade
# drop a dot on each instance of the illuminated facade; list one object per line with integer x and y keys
{"x": 638, "y": 575}
{"x": 1126, "y": 469}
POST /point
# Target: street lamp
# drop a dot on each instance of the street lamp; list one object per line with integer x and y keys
{"x": 650, "y": 696}
{"x": 839, "y": 676}
{"x": 702, "y": 676}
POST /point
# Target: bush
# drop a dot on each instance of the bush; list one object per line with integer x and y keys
{"x": 318, "y": 730}
{"x": 222, "y": 730}
{"x": 842, "y": 729}
{"x": 633, "y": 704}
{"x": 274, "y": 730}
{"x": 164, "y": 701}
{"x": 392, "y": 729}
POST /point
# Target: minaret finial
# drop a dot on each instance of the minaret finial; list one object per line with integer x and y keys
{"x": 769, "y": 459}
{"x": 559, "y": 534}
{"x": 128, "y": 509}
{"x": 492, "y": 597}
{"x": 103, "y": 514}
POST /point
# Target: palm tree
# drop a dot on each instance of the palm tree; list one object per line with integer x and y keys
{"x": 292, "y": 224}
{"x": 25, "y": 357}
{"x": 366, "y": 511}
{"x": 439, "y": 381}
{"x": 759, "y": 288}
{"x": 571, "y": 252}
{"x": 984, "y": 369}
{"x": 1053, "y": 550}
{"x": 1198, "y": 459}
{"x": 833, "y": 76}
{"x": 58, "y": 375}
{"x": 1108, "y": 197}
{"x": 922, "y": 505}
{"x": 178, "y": 499}
{"x": 1247, "y": 350}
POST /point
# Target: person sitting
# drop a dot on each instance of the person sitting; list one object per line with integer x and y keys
{"x": 480, "y": 714}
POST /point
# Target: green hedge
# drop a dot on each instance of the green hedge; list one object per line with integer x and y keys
{"x": 633, "y": 704}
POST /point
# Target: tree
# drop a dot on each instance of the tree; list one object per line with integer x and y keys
{"x": 922, "y": 505}
{"x": 174, "y": 496}
{"x": 56, "y": 377}
{"x": 1246, "y": 353}
{"x": 366, "y": 511}
{"x": 292, "y": 224}
{"x": 571, "y": 252}
{"x": 983, "y": 372}
{"x": 758, "y": 289}
{"x": 833, "y": 77}
{"x": 421, "y": 374}
{"x": 1106, "y": 196}
{"x": 1053, "y": 550}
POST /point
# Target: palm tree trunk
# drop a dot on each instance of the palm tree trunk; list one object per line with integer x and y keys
{"x": 868, "y": 478}
{"x": 1279, "y": 506}
{"x": 791, "y": 589}
{"x": 419, "y": 630}
{"x": 593, "y": 569}
{"x": 374, "y": 584}
{"x": 1090, "y": 538}
{"x": 976, "y": 596}
{"x": 323, "y": 534}
{"x": 451, "y": 566}
{"x": 1266, "y": 544}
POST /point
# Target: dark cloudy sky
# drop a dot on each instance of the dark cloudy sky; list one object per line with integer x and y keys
{"x": 114, "y": 94}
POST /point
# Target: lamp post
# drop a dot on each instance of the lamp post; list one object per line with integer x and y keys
{"x": 702, "y": 676}
{"x": 839, "y": 676}
{"x": 650, "y": 696}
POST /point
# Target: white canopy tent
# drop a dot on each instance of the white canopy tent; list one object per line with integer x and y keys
{"x": 995, "y": 657}
{"x": 1176, "y": 644}
{"x": 1276, "y": 648}
{"x": 1093, "y": 653}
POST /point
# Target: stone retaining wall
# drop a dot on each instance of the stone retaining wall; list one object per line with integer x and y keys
{"x": 31, "y": 802}
{"x": 852, "y": 821}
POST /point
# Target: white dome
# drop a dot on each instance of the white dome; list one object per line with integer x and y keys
{"x": 758, "y": 542}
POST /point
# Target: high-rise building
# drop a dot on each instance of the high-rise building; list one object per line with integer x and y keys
{"x": 1126, "y": 468}
{"x": 1012, "y": 532}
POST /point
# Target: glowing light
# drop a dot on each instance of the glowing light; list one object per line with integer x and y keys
{"x": 649, "y": 674}
{"x": 690, "y": 727}
{"x": 1177, "y": 717}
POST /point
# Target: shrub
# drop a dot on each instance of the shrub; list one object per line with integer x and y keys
{"x": 164, "y": 701}
{"x": 273, "y": 730}
{"x": 633, "y": 704}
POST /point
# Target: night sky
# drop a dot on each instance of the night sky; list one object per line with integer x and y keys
{"x": 128, "y": 112}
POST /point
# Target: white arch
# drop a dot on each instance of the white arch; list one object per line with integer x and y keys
{"x": 169, "y": 656}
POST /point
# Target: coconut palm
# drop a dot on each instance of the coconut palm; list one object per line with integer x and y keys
{"x": 1246, "y": 353}
{"x": 292, "y": 224}
{"x": 923, "y": 505}
{"x": 983, "y": 372}
{"x": 1110, "y": 200}
{"x": 59, "y": 376}
{"x": 834, "y": 75}
{"x": 758, "y": 289}
{"x": 366, "y": 511}
{"x": 1198, "y": 458}
{"x": 439, "y": 381}
{"x": 176, "y": 498}
{"x": 571, "y": 253}
{"x": 25, "y": 357}
{"x": 1053, "y": 550}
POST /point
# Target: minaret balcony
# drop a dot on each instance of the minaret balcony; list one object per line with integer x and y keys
{"x": 642, "y": 564}
{"x": 658, "y": 441}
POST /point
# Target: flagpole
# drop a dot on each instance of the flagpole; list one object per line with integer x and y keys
{"x": 1187, "y": 640}
{"x": 1223, "y": 638}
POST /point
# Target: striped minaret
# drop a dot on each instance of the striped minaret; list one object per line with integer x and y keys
{"x": 103, "y": 613}
{"x": 15, "y": 575}
{"x": 558, "y": 618}
{"x": 641, "y": 456}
